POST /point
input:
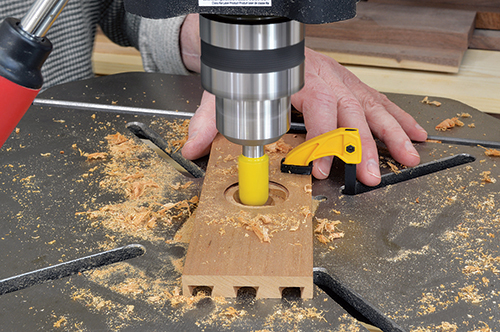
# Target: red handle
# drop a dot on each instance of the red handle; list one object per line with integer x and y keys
{"x": 14, "y": 102}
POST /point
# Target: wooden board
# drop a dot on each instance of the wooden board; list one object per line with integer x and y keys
{"x": 486, "y": 40}
{"x": 488, "y": 11}
{"x": 476, "y": 84}
{"x": 225, "y": 255}
{"x": 392, "y": 36}
{"x": 391, "y": 56}
{"x": 109, "y": 58}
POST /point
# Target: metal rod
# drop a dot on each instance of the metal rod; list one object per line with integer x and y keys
{"x": 41, "y": 16}
{"x": 108, "y": 108}
{"x": 253, "y": 151}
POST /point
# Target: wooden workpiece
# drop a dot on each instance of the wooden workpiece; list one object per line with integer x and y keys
{"x": 226, "y": 254}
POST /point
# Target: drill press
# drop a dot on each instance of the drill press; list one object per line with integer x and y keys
{"x": 252, "y": 60}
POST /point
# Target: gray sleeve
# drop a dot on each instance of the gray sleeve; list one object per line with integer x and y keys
{"x": 159, "y": 44}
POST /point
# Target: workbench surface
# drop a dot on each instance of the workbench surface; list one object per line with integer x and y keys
{"x": 425, "y": 251}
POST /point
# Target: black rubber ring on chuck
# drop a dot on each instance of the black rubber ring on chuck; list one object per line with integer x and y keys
{"x": 22, "y": 55}
{"x": 252, "y": 62}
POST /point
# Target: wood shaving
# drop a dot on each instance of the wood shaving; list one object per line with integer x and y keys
{"x": 178, "y": 129}
{"x": 134, "y": 171}
{"x": 178, "y": 185}
{"x": 470, "y": 294}
{"x": 428, "y": 102}
{"x": 295, "y": 314}
{"x": 61, "y": 322}
{"x": 491, "y": 152}
{"x": 449, "y": 123}
{"x": 278, "y": 147}
{"x": 393, "y": 167}
{"x": 257, "y": 225}
{"x": 327, "y": 231}
{"x": 486, "y": 178}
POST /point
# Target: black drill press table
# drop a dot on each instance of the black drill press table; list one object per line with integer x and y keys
{"x": 425, "y": 251}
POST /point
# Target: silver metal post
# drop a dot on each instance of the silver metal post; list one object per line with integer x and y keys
{"x": 255, "y": 151}
{"x": 41, "y": 16}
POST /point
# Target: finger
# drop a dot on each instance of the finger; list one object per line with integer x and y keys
{"x": 352, "y": 114}
{"x": 323, "y": 101}
{"x": 318, "y": 103}
{"x": 389, "y": 123}
{"x": 202, "y": 129}
{"x": 414, "y": 131}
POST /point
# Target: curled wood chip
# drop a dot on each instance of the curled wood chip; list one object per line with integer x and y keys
{"x": 449, "y": 123}
{"x": 326, "y": 230}
{"x": 97, "y": 156}
{"x": 393, "y": 167}
{"x": 486, "y": 177}
{"x": 428, "y": 102}
{"x": 278, "y": 147}
{"x": 490, "y": 152}
{"x": 308, "y": 188}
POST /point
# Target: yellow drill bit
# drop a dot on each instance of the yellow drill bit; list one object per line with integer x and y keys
{"x": 253, "y": 177}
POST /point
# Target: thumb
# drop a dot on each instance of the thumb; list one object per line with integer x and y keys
{"x": 202, "y": 129}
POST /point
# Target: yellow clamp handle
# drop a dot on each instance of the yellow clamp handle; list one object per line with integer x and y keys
{"x": 344, "y": 143}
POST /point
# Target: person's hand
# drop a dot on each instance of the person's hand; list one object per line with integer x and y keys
{"x": 332, "y": 97}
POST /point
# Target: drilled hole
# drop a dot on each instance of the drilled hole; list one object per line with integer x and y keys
{"x": 320, "y": 198}
{"x": 290, "y": 295}
{"x": 277, "y": 195}
{"x": 246, "y": 294}
{"x": 201, "y": 290}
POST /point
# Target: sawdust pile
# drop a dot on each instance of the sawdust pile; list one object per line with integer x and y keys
{"x": 122, "y": 314}
{"x": 177, "y": 130}
{"x": 133, "y": 171}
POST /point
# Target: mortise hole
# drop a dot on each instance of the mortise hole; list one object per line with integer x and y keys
{"x": 245, "y": 294}
{"x": 320, "y": 198}
{"x": 277, "y": 195}
{"x": 199, "y": 290}
{"x": 291, "y": 294}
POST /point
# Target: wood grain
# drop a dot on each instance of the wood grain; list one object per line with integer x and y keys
{"x": 109, "y": 58}
{"x": 476, "y": 84}
{"x": 391, "y": 56}
{"x": 225, "y": 256}
{"x": 488, "y": 11}
{"x": 396, "y": 25}
{"x": 393, "y": 36}
{"x": 486, "y": 40}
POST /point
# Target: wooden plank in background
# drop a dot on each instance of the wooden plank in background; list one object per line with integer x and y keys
{"x": 225, "y": 256}
{"x": 393, "y": 36}
{"x": 485, "y": 40}
{"x": 476, "y": 84}
{"x": 379, "y": 55}
{"x": 488, "y": 11}
{"x": 396, "y": 25}
{"x": 109, "y": 58}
